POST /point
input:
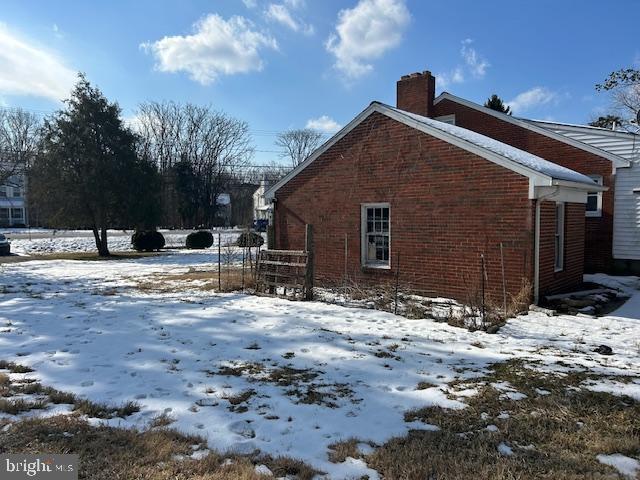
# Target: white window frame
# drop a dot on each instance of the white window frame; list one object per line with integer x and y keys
{"x": 598, "y": 211}
{"x": 17, "y": 209}
{"x": 558, "y": 236}
{"x": 363, "y": 237}
{"x": 450, "y": 119}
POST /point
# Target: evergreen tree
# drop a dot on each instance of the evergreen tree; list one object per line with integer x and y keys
{"x": 88, "y": 174}
{"x": 494, "y": 102}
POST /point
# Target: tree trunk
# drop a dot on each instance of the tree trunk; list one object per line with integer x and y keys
{"x": 101, "y": 241}
{"x": 104, "y": 250}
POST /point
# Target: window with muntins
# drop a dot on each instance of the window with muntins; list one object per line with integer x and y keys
{"x": 376, "y": 240}
{"x": 559, "y": 237}
{"x": 594, "y": 200}
{"x": 17, "y": 213}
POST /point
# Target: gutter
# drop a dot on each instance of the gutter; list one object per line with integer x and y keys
{"x": 536, "y": 264}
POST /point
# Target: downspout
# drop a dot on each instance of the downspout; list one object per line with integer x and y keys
{"x": 536, "y": 263}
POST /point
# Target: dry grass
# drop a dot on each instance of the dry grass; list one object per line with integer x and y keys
{"x": 101, "y": 410}
{"x": 339, "y": 451}
{"x": 16, "y": 406}
{"x": 14, "y": 367}
{"x": 552, "y": 436}
{"x": 231, "y": 280}
{"x": 108, "y": 453}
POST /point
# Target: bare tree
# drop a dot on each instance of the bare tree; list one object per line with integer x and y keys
{"x": 198, "y": 150}
{"x": 20, "y": 133}
{"x": 271, "y": 173}
{"x": 624, "y": 86}
{"x": 297, "y": 145}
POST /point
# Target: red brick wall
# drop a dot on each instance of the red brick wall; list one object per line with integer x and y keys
{"x": 571, "y": 275}
{"x": 599, "y": 230}
{"x": 448, "y": 207}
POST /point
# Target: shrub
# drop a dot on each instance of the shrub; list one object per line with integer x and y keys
{"x": 200, "y": 239}
{"x": 147, "y": 240}
{"x": 250, "y": 239}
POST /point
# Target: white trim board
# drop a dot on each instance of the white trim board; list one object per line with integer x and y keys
{"x": 529, "y": 125}
{"x": 536, "y": 178}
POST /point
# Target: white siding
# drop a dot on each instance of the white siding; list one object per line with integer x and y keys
{"x": 626, "y": 220}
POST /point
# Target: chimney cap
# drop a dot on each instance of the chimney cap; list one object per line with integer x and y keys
{"x": 425, "y": 73}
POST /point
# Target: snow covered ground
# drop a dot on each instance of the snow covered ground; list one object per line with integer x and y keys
{"x": 44, "y": 241}
{"x": 287, "y": 378}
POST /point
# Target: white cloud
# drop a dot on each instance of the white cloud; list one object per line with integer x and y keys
{"x": 324, "y": 124}
{"x": 280, "y": 13}
{"x": 28, "y": 69}
{"x": 365, "y": 33}
{"x": 57, "y": 32}
{"x": 475, "y": 63}
{"x": 534, "y": 97}
{"x": 446, "y": 79}
{"x": 250, "y": 3}
{"x": 217, "y": 47}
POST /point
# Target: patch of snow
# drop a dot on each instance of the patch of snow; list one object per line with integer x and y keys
{"x": 492, "y": 428}
{"x": 365, "y": 449}
{"x": 631, "y": 388}
{"x": 263, "y": 470}
{"x": 505, "y": 449}
{"x": 627, "y": 466}
{"x": 351, "y": 468}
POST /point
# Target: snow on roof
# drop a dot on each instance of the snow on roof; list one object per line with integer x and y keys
{"x": 521, "y": 157}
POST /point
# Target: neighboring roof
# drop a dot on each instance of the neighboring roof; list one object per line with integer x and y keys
{"x": 529, "y": 125}
{"x": 500, "y": 153}
{"x": 620, "y": 143}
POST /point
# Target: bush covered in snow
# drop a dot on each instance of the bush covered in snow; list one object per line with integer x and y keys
{"x": 147, "y": 240}
{"x": 199, "y": 240}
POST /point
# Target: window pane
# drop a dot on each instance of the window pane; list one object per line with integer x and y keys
{"x": 592, "y": 202}
{"x": 16, "y": 213}
{"x": 4, "y": 213}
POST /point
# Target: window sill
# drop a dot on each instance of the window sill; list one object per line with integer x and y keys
{"x": 376, "y": 267}
{"x": 558, "y": 270}
{"x": 593, "y": 214}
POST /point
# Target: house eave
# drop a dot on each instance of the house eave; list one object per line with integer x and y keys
{"x": 616, "y": 160}
{"x": 536, "y": 178}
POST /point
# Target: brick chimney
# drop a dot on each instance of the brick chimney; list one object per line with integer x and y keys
{"x": 415, "y": 93}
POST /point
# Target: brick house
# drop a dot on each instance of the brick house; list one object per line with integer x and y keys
{"x": 545, "y": 142}
{"x": 396, "y": 191}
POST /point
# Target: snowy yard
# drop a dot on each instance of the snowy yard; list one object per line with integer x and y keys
{"x": 39, "y": 241}
{"x": 285, "y": 378}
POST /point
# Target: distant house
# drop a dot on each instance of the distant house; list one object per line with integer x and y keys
{"x": 223, "y": 212}
{"x": 626, "y": 191}
{"x": 396, "y": 192}
{"x": 262, "y": 208}
{"x": 13, "y": 204}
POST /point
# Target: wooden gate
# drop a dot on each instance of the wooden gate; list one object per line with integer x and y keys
{"x": 282, "y": 272}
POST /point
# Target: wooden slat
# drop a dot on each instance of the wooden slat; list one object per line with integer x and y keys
{"x": 283, "y": 252}
{"x": 283, "y": 264}
{"x": 283, "y": 285}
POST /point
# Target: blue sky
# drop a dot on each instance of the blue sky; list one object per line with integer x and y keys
{"x": 291, "y": 63}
